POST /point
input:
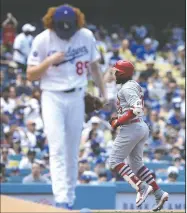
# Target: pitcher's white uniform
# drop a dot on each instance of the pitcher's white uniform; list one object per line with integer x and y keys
{"x": 62, "y": 102}
{"x": 131, "y": 138}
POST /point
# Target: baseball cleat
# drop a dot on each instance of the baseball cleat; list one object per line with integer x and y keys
{"x": 144, "y": 191}
{"x": 161, "y": 197}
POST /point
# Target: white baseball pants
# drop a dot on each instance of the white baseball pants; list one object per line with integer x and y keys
{"x": 63, "y": 116}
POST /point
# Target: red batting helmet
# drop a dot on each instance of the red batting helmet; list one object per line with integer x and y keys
{"x": 125, "y": 68}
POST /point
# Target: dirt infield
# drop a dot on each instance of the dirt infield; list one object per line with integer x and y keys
{"x": 133, "y": 211}
{"x": 12, "y": 205}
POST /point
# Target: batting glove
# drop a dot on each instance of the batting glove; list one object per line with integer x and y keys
{"x": 114, "y": 122}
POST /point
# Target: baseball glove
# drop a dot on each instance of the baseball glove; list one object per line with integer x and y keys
{"x": 92, "y": 103}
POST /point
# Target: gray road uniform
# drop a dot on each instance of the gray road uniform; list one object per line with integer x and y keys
{"x": 129, "y": 143}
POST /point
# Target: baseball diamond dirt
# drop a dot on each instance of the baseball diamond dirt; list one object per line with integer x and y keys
{"x": 12, "y": 205}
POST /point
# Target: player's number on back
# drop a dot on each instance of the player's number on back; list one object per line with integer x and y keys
{"x": 80, "y": 66}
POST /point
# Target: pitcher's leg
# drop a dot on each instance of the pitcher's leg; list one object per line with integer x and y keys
{"x": 74, "y": 125}
{"x": 54, "y": 127}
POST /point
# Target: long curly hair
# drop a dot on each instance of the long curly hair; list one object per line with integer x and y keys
{"x": 48, "y": 18}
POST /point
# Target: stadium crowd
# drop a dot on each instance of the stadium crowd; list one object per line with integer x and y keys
{"x": 160, "y": 70}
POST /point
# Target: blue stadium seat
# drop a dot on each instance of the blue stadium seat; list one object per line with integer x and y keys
{"x": 15, "y": 179}
{"x": 7, "y": 172}
{"x": 23, "y": 172}
{"x": 181, "y": 176}
{"x": 155, "y": 166}
{"x": 162, "y": 176}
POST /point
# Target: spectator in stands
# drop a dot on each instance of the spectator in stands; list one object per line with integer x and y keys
{"x": 115, "y": 55}
{"x": 183, "y": 102}
{"x": 9, "y": 29}
{"x": 45, "y": 160}
{"x": 101, "y": 46}
{"x": 156, "y": 91}
{"x": 16, "y": 144}
{"x": 31, "y": 134}
{"x": 169, "y": 75}
{"x": 12, "y": 93}
{"x": 146, "y": 157}
{"x": 147, "y": 50}
{"x": 115, "y": 40}
{"x": 32, "y": 109}
{"x": 84, "y": 164}
{"x": 158, "y": 155}
{"x": 85, "y": 178}
{"x": 7, "y": 104}
{"x": 175, "y": 152}
{"x": 150, "y": 70}
{"x": 24, "y": 87}
{"x": 172, "y": 174}
{"x": 182, "y": 131}
{"x": 156, "y": 140}
{"x": 110, "y": 142}
{"x": 93, "y": 125}
{"x": 27, "y": 161}
{"x": 18, "y": 117}
{"x": 99, "y": 165}
{"x": 177, "y": 162}
{"x": 180, "y": 60}
{"x": 135, "y": 44}
{"x": 3, "y": 82}
{"x": 141, "y": 30}
{"x": 125, "y": 52}
{"x": 100, "y": 41}
{"x": 154, "y": 118}
{"x": 4, "y": 156}
{"x": 175, "y": 117}
{"x": 82, "y": 167}
{"x": 111, "y": 90}
{"x": 178, "y": 34}
{"x": 3, "y": 179}
{"x": 102, "y": 176}
{"x": 4, "y": 123}
{"x": 7, "y": 136}
{"x": 96, "y": 152}
{"x": 172, "y": 91}
{"x": 22, "y": 45}
{"x": 35, "y": 176}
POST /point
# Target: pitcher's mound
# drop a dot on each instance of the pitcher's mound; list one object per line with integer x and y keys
{"x": 12, "y": 205}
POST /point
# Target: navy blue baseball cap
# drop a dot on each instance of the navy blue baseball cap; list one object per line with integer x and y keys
{"x": 100, "y": 160}
{"x": 65, "y": 22}
{"x": 177, "y": 105}
{"x": 86, "y": 177}
{"x": 64, "y": 13}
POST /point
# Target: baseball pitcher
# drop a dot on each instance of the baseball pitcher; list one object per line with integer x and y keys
{"x": 60, "y": 58}
{"x": 133, "y": 133}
